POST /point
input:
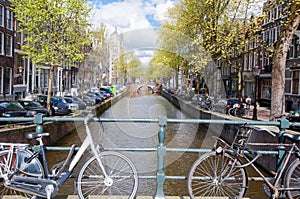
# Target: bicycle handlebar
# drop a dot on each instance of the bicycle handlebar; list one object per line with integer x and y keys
{"x": 265, "y": 129}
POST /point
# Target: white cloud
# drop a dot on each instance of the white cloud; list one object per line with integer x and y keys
{"x": 162, "y": 10}
{"x": 129, "y": 14}
{"x": 133, "y": 18}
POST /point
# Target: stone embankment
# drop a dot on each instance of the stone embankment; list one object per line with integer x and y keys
{"x": 57, "y": 130}
{"x": 228, "y": 132}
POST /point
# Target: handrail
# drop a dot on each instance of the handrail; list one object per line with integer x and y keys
{"x": 161, "y": 149}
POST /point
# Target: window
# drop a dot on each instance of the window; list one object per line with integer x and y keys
{"x": 7, "y": 80}
{"x": 9, "y": 45}
{"x": 295, "y": 83}
{"x": 9, "y": 15}
{"x": 291, "y": 51}
{"x": 1, "y": 43}
{"x": 266, "y": 88}
{"x": 1, "y": 80}
{"x": 246, "y": 65}
{"x": 20, "y": 35}
{"x": 1, "y": 15}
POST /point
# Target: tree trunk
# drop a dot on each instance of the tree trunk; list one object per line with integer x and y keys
{"x": 50, "y": 88}
{"x": 278, "y": 70}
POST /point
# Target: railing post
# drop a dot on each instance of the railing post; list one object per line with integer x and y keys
{"x": 161, "y": 151}
{"x": 38, "y": 120}
{"x": 284, "y": 124}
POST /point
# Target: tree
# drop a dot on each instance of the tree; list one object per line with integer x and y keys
{"x": 280, "y": 54}
{"x": 56, "y": 32}
{"x": 213, "y": 30}
{"x": 98, "y": 57}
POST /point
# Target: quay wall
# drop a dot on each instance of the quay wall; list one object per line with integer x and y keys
{"x": 57, "y": 130}
{"x": 227, "y": 132}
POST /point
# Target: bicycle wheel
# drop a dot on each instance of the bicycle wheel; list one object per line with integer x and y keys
{"x": 292, "y": 180}
{"x": 213, "y": 175}
{"x": 231, "y": 111}
{"x": 6, "y": 191}
{"x": 122, "y": 177}
{"x": 238, "y": 112}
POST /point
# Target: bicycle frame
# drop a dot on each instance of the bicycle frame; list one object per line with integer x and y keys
{"x": 88, "y": 142}
{"x": 273, "y": 186}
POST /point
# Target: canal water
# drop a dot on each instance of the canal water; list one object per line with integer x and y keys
{"x": 144, "y": 135}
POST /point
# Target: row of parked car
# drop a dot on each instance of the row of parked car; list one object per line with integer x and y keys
{"x": 59, "y": 105}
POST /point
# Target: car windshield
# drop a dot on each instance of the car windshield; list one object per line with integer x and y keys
{"x": 77, "y": 99}
{"x": 31, "y": 104}
{"x": 68, "y": 100}
{"x": 61, "y": 100}
{"x": 11, "y": 106}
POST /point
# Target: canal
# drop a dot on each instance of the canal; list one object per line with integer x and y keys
{"x": 143, "y": 135}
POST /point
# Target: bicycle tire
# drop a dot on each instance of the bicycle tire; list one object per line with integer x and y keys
{"x": 6, "y": 190}
{"x": 207, "y": 171}
{"x": 231, "y": 111}
{"x": 121, "y": 171}
{"x": 238, "y": 112}
{"x": 292, "y": 180}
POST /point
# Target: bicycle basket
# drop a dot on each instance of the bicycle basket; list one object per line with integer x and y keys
{"x": 242, "y": 137}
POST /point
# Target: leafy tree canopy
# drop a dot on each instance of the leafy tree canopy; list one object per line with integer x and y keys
{"x": 56, "y": 30}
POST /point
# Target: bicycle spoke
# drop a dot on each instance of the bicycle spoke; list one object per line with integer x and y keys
{"x": 213, "y": 175}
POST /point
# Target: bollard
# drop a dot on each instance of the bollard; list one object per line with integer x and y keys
{"x": 161, "y": 152}
{"x": 38, "y": 120}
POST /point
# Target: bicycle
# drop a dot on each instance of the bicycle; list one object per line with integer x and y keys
{"x": 103, "y": 173}
{"x": 238, "y": 110}
{"x": 241, "y": 111}
{"x": 222, "y": 172}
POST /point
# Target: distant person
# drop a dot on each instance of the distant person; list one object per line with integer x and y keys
{"x": 113, "y": 90}
{"x": 248, "y": 101}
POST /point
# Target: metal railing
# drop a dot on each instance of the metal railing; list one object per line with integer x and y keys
{"x": 161, "y": 149}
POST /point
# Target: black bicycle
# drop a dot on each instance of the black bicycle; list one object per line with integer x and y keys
{"x": 222, "y": 173}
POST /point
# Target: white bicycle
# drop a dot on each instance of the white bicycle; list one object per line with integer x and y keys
{"x": 105, "y": 174}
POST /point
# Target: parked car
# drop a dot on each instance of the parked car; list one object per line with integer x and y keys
{"x": 33, "y": 108}
{"x": 12, "y": 109}
{"x": 89, "y": 101}
{"x": 57, "y": 106}
{"x": 106, "y": 89}
{"x": 72, "y": 106}
{"x": 76, "y": 100}
{"x": 105, "y": 94}
{"x": 97, "y": 99}
{"x": 224, "y": 105}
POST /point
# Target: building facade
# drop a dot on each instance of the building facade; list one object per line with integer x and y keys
{"x": 258, "y": 53}
{"x": 6, "y": 51}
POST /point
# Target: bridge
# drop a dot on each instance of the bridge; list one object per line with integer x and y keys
{"x": 162, "y": 150}
{"x": 161, "y": 147}
{"x": 154, "y": 88}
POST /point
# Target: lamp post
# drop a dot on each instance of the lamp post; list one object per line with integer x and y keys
{"x": 256, "y": 72}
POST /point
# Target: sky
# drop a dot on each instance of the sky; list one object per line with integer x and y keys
{"x": 138, "y": 20}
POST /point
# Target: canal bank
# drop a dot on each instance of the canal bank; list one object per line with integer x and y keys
{"x": 57, "y": 130}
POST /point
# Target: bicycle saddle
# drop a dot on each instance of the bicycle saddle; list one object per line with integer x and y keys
{"x": 34, "y": 135}
{"x": 294, "y": 137}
